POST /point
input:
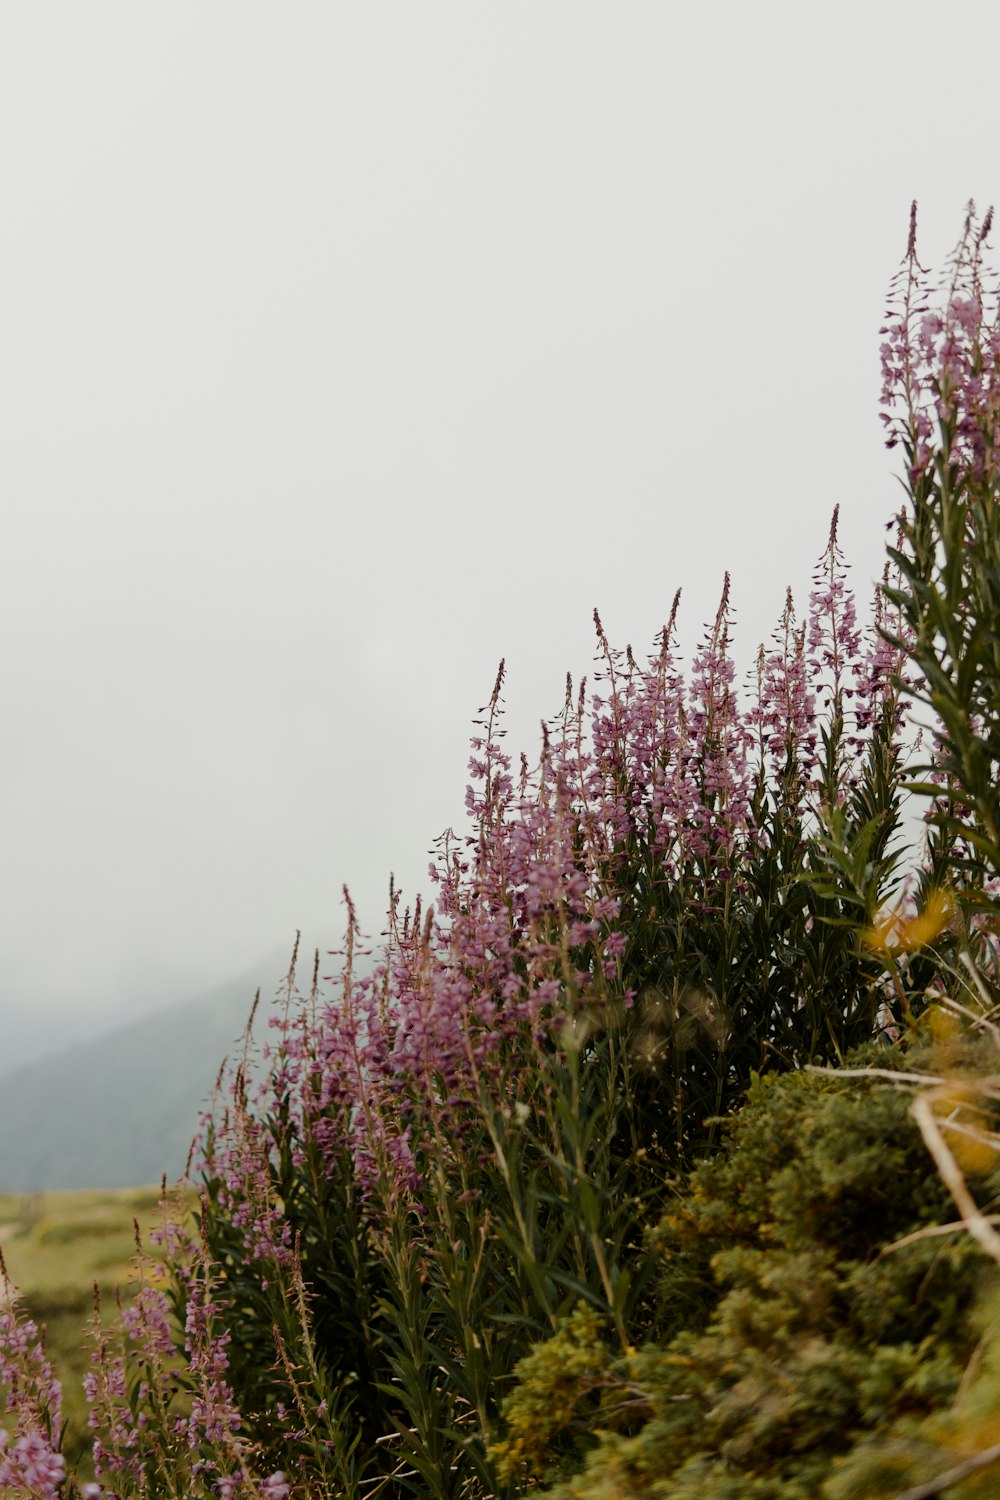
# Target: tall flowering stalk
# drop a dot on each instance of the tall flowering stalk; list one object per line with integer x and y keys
{"x": 164, "y": 1416}
{"x": 941, "y": 394}
{"x": 942, "y": 399}
{"x": 31, "y": 1414}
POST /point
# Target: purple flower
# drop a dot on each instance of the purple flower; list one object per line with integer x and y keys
{"x": 30, "y": 1465}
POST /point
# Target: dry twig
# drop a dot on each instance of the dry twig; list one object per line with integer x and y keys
{"x": 968, "y": 1466}
{"x": 976, "y": 1223}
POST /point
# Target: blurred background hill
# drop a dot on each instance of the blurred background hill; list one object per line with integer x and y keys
{"x": 120, "y": 1108}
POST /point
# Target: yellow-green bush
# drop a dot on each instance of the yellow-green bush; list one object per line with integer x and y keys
{"x": 803, "y": 1352}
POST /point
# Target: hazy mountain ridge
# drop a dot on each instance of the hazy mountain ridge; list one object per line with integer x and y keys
{"x": 26, "y": 1038}
{"x": 121, "y": 1108}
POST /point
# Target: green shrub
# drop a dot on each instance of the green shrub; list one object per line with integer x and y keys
{"x": 793, "y": 1338}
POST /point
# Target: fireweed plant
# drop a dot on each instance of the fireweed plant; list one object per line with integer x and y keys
{"x": 30, "y": 1461}
{"x": 462, "y": 1146}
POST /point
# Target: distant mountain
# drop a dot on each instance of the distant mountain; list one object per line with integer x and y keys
{"x": 27, "y": 1034}
{"x": 121, "y": 1109}
{"x": 23, "y": 1039}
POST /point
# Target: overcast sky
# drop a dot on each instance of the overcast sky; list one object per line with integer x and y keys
{"x": 346, "y": 348}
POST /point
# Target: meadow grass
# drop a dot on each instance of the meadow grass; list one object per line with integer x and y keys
{"x": 58, "y": 1243}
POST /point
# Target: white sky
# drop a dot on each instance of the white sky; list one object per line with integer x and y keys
{"x": 346, "y": 348}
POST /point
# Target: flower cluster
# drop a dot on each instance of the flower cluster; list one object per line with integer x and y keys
{"x": 30, "y": 1461}
{"x": 941, "y": 365}
{"x": 654, "y": 778}
{"x": 30, "y": 1466}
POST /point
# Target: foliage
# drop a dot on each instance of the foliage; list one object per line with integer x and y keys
{"x": 824, "y": 1320}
